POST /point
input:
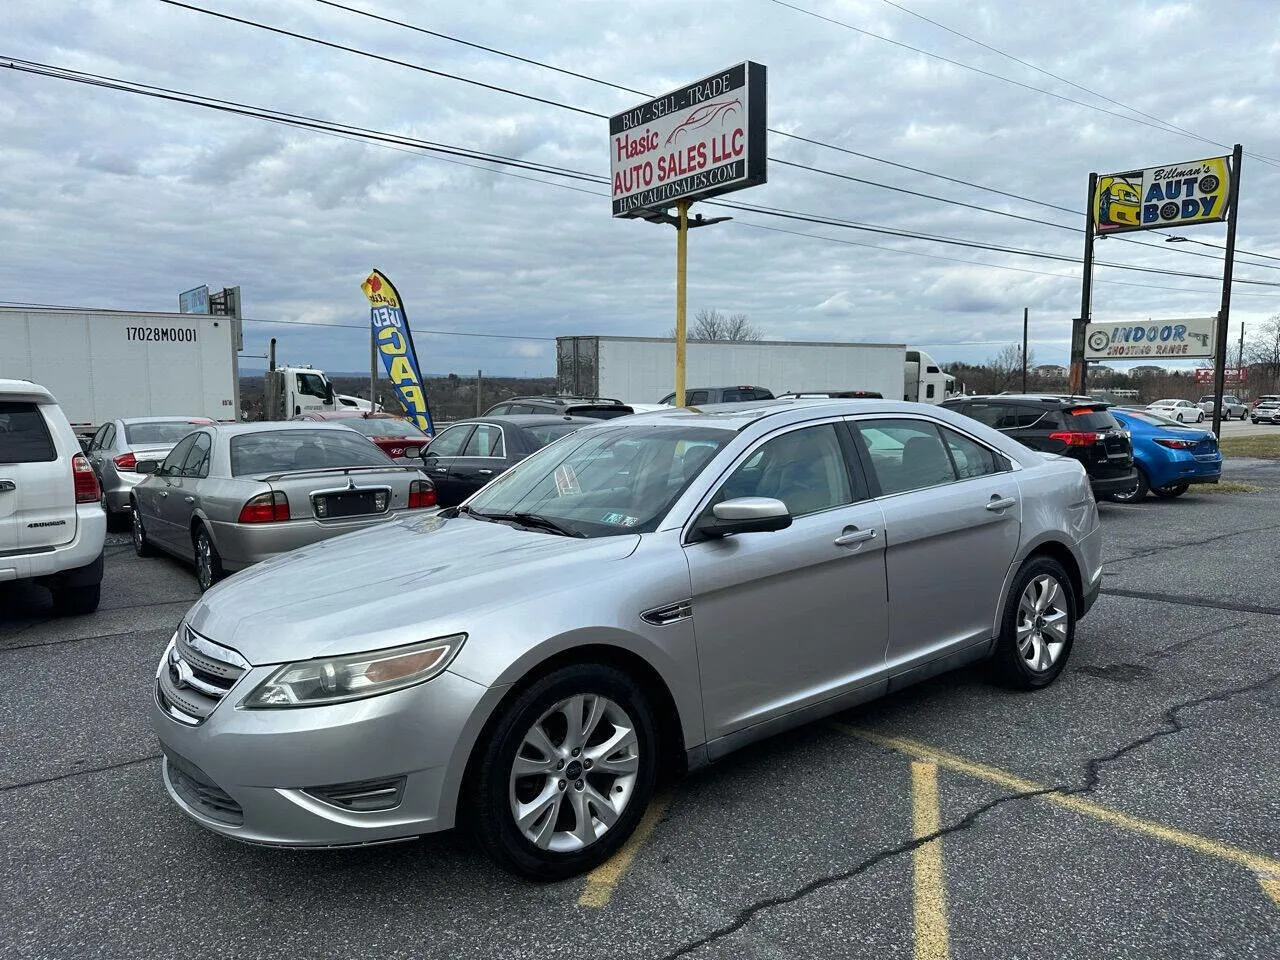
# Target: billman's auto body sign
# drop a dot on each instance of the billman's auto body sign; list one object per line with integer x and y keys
{"x": 701, "y": 140}
{"x": 1170, "y": 196}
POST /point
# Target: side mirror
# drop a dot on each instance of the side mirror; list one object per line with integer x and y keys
{"x": 413, "y": 453}
{"x": 147, "y": 466}
{"x": 744, "y": 515}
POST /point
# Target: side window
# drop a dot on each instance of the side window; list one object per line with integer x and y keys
{"x": 995, "y": 415}
{"x": 805, "y": 469}
{"x": 735, "y": 396}
{"x": 450, "y": 443}
{"x": 196, "y": 463}
{"x": 96, "y": 442}
{"x": 928, "y": 392}
{"x": 906, "y": 454}
{"x": 24, "y": 436}
{"x": 172, "y": 465}
{"x": 695, "y": 397}
{"x": 763, "y": 395}
{"x": 486, "y": 441}
{"x": 972, "y": 459}
{"x": 109, "y": 437}
{"x": 501, "y": 410}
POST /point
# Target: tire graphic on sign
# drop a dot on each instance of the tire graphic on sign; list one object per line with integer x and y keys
{"x": 1099, "y": 340}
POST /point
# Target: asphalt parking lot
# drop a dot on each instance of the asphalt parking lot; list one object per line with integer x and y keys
{"x": 1130, "y": 810}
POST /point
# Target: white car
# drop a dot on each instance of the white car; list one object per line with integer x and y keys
{"x": 1184, "y": 411}
{"x": 52, "y": 525}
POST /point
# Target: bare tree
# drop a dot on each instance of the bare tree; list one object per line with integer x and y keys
{"x": 1006, "y": 367}
{"x": 1263, "y": 349}
{"x": 714, "y": 325}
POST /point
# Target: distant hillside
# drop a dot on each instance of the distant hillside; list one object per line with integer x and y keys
{"x": 451, "y": 397}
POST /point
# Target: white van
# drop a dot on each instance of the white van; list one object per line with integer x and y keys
{"x": 52, "y": 525}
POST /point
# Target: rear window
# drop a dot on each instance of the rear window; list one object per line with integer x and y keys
{"x": 282, "y": 451}
{"x": 24, "y": 436}
{"x": 159, "y": 434}
{"x": 1080, "y": 418}
{"x": 383, "y": 427}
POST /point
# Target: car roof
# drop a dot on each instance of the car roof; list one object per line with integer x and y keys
{"x": 523, "y": 420}
{"x": 346, "y": 415}
{"x": 738, "y": 416}
{"x": 194, "y": 421}
{"x": 564, "y": 400}
{"x": 26, "y": 390}
{"x": 1033, "y": 397}
{"x": 268, "y": 426}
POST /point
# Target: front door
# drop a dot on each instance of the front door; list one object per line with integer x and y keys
{"x": 952, "y": 513}
{"x": 792, "y": 617}
{"x": 482, "y": 459}
{"x": 439, "y": 457}
{"x": 155, "y": 493}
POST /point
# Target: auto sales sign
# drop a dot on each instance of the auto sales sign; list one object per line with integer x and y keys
{"x": 1174, "y": 195}
{"x": 702, "y": 140}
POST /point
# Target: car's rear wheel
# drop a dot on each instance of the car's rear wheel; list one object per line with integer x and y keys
{"x": 76, "y": 601}
{"x": 1169, "y": 491}
{"x": 141, "y": 545}
{"x": 565, "y": 774}
{"x": 208, "y": 561}
{"x": 1038, "y": 626}
{"x": 1137, "y": 493}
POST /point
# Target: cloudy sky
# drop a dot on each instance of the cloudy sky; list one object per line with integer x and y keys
{"x": 110, "y": 199}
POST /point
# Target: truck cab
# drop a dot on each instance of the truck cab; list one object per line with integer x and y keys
{"x": 291, "y": 391}
{"x": 925, "y": 381}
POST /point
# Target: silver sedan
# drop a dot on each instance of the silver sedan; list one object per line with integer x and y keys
{"x": 650, "y": 593}
{"x": 228, "y": 496}
{"x": 118, "y": 445}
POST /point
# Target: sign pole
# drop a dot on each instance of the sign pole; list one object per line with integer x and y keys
{"x": 1224, "y": 312}
{"x": 373, "y": 364}
{"x": 682, "y": 257}
{"x": 1025, "y": 313}
{"x": 1079, "y": 366}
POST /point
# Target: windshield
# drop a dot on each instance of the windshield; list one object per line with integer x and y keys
{"x": 604, "y": 482}
{"x": 161, "y": 434}
{"x": 387, "y": 427}
{"x": 282, "y": 451}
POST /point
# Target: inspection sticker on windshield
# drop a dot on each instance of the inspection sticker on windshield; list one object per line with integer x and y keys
{"x": 620, "y": 520}
{"x": 566, "y": 480}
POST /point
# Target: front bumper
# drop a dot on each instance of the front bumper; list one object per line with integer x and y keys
{"x": 245, "y": 773}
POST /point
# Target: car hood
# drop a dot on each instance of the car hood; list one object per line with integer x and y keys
{"x": 387, "y": 586}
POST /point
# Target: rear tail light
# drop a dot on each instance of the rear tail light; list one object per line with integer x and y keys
{"x": 1076, "y": 438}
{"x": 1178, "y": 444}
{"x": 86, "y": 481}
{"x": 421, "y": 495}
{"x": 126, "y": 461}
{"x": 265, "y": 508}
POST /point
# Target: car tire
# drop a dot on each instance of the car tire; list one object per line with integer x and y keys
{"x": 1200, "y": 418}
{"x": 208, "y": 561}
{"x": 141, "y": 545}
{"x": 76, "y": 601}
{"x": 1136, "y": 494}
{"x": 1037, "y": 627}
{"x": 1169, "y": 491}
{"x": 558, "y": 836}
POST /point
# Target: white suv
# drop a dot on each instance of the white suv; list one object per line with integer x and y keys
{"x": 52, "y": 526}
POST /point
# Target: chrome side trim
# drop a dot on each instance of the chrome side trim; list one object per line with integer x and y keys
{"x": 669, "y": 614}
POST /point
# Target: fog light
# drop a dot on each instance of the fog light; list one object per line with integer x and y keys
{"x": 362, "y": 796}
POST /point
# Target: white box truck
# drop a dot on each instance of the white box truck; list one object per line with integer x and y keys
{"x": 104, "y": 364}
{"x": 641, "y": 369}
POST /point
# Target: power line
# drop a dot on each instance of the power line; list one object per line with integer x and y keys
{"x": 1162, "y": 126}
{"x": 311, "y": 123}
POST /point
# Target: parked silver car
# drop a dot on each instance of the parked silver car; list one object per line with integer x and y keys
{"x": 649, "y": 593}
{"x": 228, "y": 496}
{"x": 118, "y": 445}
{"x": 1231, "y": 406}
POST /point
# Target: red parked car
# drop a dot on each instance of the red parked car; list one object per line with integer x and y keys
{"x": 391, "y": 433}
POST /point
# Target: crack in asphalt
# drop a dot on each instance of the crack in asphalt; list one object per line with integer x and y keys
{"x": 1092, "y": 774}
{"x": 1164, "y": 653}
{"x": 1207, "y": 603}
{"x": 4, "y": 788}
{"x": 1163, "y": 548}
{"x": 98, "y": 636}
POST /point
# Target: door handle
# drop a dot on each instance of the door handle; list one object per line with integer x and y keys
{"x": 1000, "y": 503}
{"x": 7, "y": 485}
{"x": 189, "y": 499}
{"x": 485, "y": 472}
{"x": 441, "y": 471}
{"x": 853, "y": 535}
{"x": 164, "y": 493}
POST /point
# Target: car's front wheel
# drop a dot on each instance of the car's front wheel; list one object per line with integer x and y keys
{"x": 208, "y": 562}
{"x": 141, "y": 545}
{"x": 565, "y": 774}
{"x": 1038, "y": 626}
{"x": 1200, "y": 417}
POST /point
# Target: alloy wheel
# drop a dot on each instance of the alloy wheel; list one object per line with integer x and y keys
{"x": 574, "y": 773}
{"x": 1042, "y": 623}
{"x": 139, "y": 536}
{"x": 204, "y": 562}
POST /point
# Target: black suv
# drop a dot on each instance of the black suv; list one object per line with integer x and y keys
{"x": 597, "y": 408}
{"x": 700, "y": 396}
{"x": 1079, "y": 427}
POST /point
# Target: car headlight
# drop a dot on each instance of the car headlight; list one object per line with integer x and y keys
{"x": 311, "y": 683}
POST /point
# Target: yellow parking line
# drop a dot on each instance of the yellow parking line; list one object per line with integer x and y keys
{"x": 601, "y": 881}
{"x": 1266, "y": 868}
{"x": 930, "y": 886}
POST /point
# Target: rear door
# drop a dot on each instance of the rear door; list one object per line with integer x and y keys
{"x": 37, "y": 494}
{"x": 482, "y": 459}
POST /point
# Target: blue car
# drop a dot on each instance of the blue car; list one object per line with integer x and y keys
{"x": 1169, "y": 456}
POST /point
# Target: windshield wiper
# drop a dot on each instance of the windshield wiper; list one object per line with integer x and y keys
{"x": 464, "y": 509}
{"x": 540, "y": 522}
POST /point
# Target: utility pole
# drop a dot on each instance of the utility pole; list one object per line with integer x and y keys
{"x": 479, "y": 389}
{"x": 1240, "y": 355}
{"x": 1025, "y": 313}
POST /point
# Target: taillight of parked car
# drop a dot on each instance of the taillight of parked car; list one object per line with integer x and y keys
{"x": 1176, "y": 444}
{"x": 421, "y": 494}
{"x": 87, "y": 489}
{"x": 265, "y": 508}
{"x": 1076, "y": 438}
{"x": 126, "y": 461}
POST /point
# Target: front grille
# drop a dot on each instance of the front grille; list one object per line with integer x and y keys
{"x": 195, "y": 675}
{"x": 198, "y": 791}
